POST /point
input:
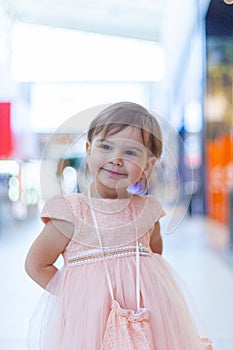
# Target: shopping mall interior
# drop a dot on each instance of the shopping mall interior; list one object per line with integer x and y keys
{"x": 60, "y": 64}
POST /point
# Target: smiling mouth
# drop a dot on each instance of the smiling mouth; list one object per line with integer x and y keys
{"x": 113, "y": 173}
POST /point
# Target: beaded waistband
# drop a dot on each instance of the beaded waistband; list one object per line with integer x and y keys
{"x": 105, "y": 253}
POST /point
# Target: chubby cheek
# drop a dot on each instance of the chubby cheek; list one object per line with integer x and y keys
{"x": 94, "y": 163}
{"x": 92, "y": 166}
{"x": 135, "y": 170}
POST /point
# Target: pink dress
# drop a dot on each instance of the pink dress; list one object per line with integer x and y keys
{"x": 72, "y": 312}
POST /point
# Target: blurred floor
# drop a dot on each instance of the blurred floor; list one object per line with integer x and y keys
{"x": 198, "y": 250}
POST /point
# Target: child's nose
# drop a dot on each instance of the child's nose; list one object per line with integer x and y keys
{"x": 116, "y": 161}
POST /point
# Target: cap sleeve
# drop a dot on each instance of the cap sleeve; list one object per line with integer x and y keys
{"x": 57, "y": 208}
{"x": 151, "y": 213}
{"x": 156, "y": 209}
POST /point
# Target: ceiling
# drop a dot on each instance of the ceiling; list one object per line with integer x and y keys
{"x": 171, "y": 23}
{"x": 142, "y": 19}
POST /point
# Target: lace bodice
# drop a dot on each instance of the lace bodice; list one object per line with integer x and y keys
{"x": 117, "y": 218}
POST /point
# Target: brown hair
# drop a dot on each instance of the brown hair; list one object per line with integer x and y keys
{"x": 120, "y": 115}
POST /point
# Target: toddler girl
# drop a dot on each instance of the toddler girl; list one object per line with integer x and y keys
{"x": 123, "y": 144}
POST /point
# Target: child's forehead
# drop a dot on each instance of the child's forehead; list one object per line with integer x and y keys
{"x": 129, "y": 134}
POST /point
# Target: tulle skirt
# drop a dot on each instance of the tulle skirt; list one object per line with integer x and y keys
{"x": 73, "y": 311}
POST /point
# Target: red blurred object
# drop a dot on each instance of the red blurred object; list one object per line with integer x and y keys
{"x": 5, "y": 130}
{"x": 219, "y": 172}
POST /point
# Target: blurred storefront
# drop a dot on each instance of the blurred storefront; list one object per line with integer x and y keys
{"x": 219, "y": 110}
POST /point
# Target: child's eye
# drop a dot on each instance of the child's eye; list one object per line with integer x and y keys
{"x": 105, "y": 146}
{"x": 131, "y": 153}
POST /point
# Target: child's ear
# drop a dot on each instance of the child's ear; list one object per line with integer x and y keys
{"x": 88, "y": 147}
{"x": 149, "y": 166}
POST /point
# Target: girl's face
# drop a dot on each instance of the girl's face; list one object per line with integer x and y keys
{"x": 117, "y": 162}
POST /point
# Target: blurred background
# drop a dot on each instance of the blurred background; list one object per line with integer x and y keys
{"x": 58, "y": 58}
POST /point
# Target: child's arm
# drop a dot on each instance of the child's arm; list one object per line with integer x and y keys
{"x": 45, "y": 250}
{"x": 156, "y": 242}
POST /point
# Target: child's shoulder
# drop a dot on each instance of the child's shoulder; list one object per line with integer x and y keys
{"x": 73, "y": 197}
{"x": 61, "y": 207}
{"x": 151, "y": 205}
{"x": 149, "y": 200}
{"x": 74, "y": 201}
